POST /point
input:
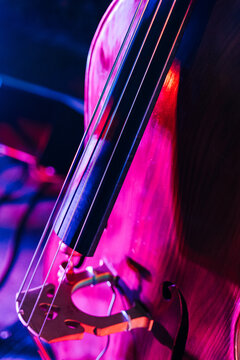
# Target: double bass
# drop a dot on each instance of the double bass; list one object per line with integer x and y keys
{"x": 172, "y": 213}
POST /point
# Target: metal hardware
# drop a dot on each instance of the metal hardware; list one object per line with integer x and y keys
{"x": 66, "y": 322}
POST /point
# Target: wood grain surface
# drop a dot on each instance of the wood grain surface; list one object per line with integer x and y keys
{"x": 178, "y": 211}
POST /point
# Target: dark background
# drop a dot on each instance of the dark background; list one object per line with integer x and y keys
{"x": 47, "y": 41}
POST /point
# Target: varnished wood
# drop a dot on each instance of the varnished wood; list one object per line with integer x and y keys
{"x": 178, "y": 211}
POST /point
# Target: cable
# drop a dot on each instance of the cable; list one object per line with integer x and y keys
{"x": 19, "y": 231}
{"x": 15, "y": 185}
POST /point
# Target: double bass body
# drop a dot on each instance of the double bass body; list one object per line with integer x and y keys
{"x": 177, "y": 212}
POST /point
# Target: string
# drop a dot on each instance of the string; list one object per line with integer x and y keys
{"x": 100, "y": 117}
{"x": 65, "y": 184}
{"x": 160, "y": 78}
{"x": 109, "y": 92}
{"x": 70, "y": 257}
{"x": 57, "y": 253}
{"x": 118, "y": 140}
{"x": 107, "y": 127}
{"x": 50, "y": 222}
{"x": 121, "y": 133}
{"x": 63, "y": 276}
{"x": 129, "y": 110}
